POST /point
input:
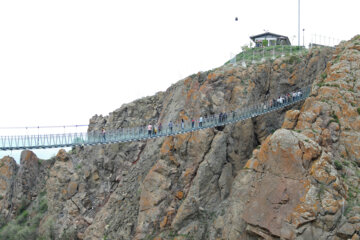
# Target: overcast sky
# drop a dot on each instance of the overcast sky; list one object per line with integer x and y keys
{"x": 61, "y": 62}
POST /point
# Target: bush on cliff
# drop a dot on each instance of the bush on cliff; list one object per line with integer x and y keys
{"x": 338, "y": 165}
{"x": 26, "y": 224}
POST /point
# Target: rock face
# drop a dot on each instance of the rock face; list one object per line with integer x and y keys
{"x": 8, "y": 170}
{"x": 291, "y": 174}
{"x": 20, "y": 185}
{"x": 319, "y": 154}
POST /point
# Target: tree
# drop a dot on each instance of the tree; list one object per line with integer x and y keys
{"x": 244, "y": 48}
{"x": 265, "y": 43}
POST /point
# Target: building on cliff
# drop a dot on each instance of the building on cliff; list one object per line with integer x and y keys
{"x": 269, "y": 39}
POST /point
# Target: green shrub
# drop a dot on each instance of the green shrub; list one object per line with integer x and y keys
{"x": 27, "y": 233}
{"x": 42, "y": 194}
{"x": 321, "y": 84}
{"x": 43, "y": 207}
{"x": 23, "y": 206}
{"x": 338, "y": 165}
{"x": 335, "y": 117}
{"x": 49, "y": 230}
{"x": 22, "y": 218}
{"x": 69, "y": 234}
{"x": 9, "y": 231}
{"x": 321, "y": 190}
{"x": 265, "y": 43}
{"x": 27, "y": 222}
{"x": 294, "y": 59}
{"x": 323, "y": 75}
{"x": 358, "y": 110}
{"x": 245, "y": 48}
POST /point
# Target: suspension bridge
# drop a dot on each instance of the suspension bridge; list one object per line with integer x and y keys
{"x": 42, "y": 141}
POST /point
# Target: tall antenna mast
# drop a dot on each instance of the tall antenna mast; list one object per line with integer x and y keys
{"x": 299, "y": 23}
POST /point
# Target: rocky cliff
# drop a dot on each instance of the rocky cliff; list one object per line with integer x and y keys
{"x": 292, "y": 174}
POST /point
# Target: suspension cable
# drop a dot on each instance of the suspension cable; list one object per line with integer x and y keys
{"x": 37, "y": 127}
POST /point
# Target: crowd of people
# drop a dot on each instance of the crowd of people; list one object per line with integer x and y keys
{"x": 157, "y": 129}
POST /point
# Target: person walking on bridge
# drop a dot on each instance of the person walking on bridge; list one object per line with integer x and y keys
{"x": 149, "y": 127}
{"x": 159, "y": 128}
{"x": 182, "y": 124}
{"x": 171, "y": 126}
{"x": 103, "y": 133}
{"x": 200, "y": 121}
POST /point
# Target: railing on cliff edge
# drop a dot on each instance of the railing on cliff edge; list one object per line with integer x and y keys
{"x": 140, "y": 133}
{"x": 261, "y": 54}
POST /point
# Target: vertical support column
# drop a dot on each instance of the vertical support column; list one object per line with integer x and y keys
{"x": 299, "y": 23}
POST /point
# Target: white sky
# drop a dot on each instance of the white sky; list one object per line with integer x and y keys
{"x": 61, "y": 62}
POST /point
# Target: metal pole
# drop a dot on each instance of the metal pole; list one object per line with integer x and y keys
{"x": 299, "y": 23}
{"x": 303, "y": 37}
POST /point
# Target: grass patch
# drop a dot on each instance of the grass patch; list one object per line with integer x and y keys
{"x": 335, "y": 118}
{"x": 323, "y": 75}
{"x": 321, "y": 190}
{"x": 257, "y": 54}
{"x": 322, "y": 84}
{"x": 338, "y": 165}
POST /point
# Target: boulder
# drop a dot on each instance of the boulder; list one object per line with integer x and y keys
{"x": 62, "y": 155}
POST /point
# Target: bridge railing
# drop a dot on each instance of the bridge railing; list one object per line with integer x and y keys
{"x": 141, "y": 132}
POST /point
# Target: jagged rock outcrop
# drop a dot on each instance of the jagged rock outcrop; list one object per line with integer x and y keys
{"x": 8, "y": 170}
{"x": 21, "y": 185}
{"x": 291, "y": 174}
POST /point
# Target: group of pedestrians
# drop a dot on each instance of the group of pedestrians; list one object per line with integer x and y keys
{"x": 153, "y": 129}
{"x": 286, "y": 98}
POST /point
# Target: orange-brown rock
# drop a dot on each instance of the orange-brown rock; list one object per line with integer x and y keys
{"x": 291, "y": 118}
{"x": 72, "y": 189}
{"x": 62, "y": 155}
{"x": 179, "y": 195}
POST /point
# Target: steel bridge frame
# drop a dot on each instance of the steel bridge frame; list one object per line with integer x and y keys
{"x": 137, "y": 134}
